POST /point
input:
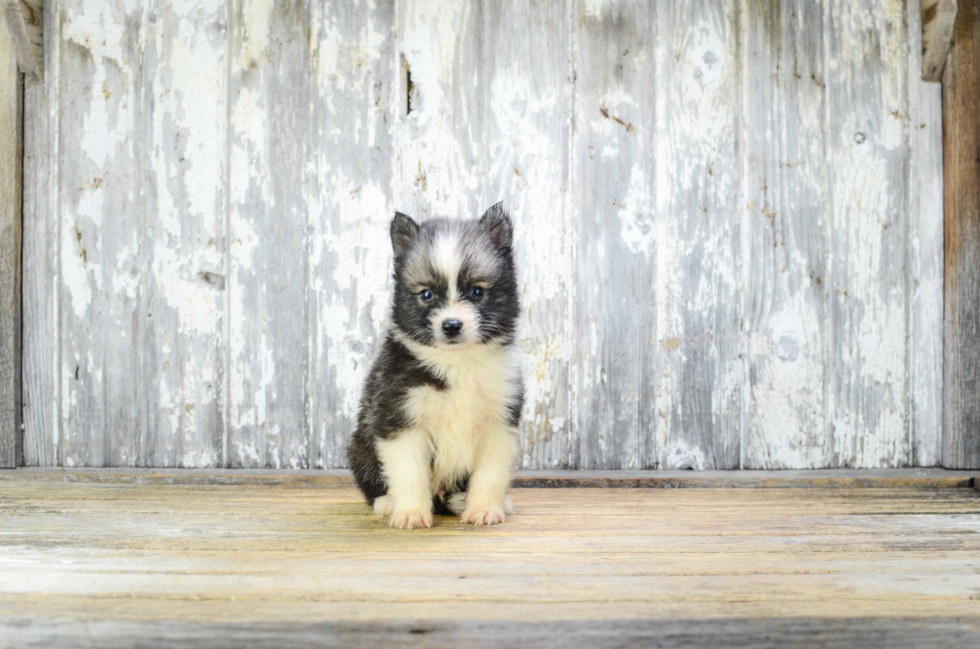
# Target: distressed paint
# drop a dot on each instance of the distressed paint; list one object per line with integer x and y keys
{"x": 925, "y": 250}
{"x": 439, "y": 142}
{"x": 617, "y": 364}
{"x": 785, "y": 217}
{"x": 355, "y": 86}
{"x": 41, "y": 262}
{"x": 11, "y": 202}
{"x": 697, "y": 163}
{"x": 526, "y": 93}
{"x": 101, "y": 219}
{"x": 180, "y": 253}
{"x": 270, "y": 141}
{"x": 726, "y": 215}
{"x": 868, "y": 155}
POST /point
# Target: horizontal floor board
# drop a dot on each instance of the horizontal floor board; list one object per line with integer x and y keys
{"x": 763, "y": 632}
{"x": 115, "y": 558}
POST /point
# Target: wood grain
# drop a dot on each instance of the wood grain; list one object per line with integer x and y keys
{"x": 21, "y": 42}
{"x": 355, "y": 99}
{"x": 42, "y": 261}
{"x": 11, "y": 201}
{"x": 179, "y": 269}
{"x": 925, "y": 254}
{"x": 785, "y": 221}
{"x": 741, "y": 631}
{"x": 114, "y": 558}
{"x": 102, "y": 222}
{"x": 32, "y": 12}
{"x": 937, "y": 20}
{"x": 268, "y": 322}
{"x": 961, "y": 157}
{"x": 527, "y": 99}
{"x": 867, "y": 153}
{"x": 698, "y": 181}
{"x": 613, "y": 202}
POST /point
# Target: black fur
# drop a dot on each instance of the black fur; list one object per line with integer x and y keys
{"x": 393, "y": 374}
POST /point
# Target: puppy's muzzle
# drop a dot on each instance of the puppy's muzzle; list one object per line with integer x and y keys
{"x": 452, "y": 328}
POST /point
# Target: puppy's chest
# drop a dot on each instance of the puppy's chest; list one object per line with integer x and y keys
{"x": 471, "y": 400}
{"x": 475, "y": 401}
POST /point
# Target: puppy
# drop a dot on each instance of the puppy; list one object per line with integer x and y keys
{"x": 437, "y": 424}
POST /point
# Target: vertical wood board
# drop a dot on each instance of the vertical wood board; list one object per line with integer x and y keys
{"x": 868, "y": 155}
{"x": 268, "y": 323}
{"x": 42, "y": 268}
{"x": 613, "y": 204}
{"x": 178, "y": 267}
{"x": 11, "y": 182}
{"x": 356, "y": 88}
{"x": 698, "y": 189}
{"x": 526, "y": 69}
{"x": 785, "y": 221}
{"x": 961, "y": 155}
{"x": 925, "y": 254}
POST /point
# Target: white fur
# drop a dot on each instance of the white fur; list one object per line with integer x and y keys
{"x": 383, "y": 505}
{"x": 465, "y": 312}
{"x": 405, "y": 462}
{"x": 456, "y": 503}
{"x": 466, "y": 425}
{"x": 446, "y": 259}
{"x": 490, "y": 477}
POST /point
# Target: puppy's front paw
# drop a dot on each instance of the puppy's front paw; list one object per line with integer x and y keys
{"x": 383, "y": 505}
{"x": 484, "y": 515}
{"x": 409, "y": 519}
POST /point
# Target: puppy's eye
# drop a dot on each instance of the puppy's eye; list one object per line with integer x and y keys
{"x": 426, "y": 295}
{"x": 476, "y": 293}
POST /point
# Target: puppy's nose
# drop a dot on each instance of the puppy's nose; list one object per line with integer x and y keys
{"x": 452, "y": 327}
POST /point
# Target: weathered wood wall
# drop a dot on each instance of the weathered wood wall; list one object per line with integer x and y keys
{"x": 729, "y": 219}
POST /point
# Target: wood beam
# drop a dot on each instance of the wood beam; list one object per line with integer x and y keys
{"x": 938, "y": 17}
{"x": 25, "y": 24}
{"x": 961, "y": 178}
{"x": 32, "y": 11}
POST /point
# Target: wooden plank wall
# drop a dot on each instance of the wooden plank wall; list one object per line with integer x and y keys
{"x": 961, "y": 150}
{"x": 729, "y": 220}
{"x": 11, "y": 182}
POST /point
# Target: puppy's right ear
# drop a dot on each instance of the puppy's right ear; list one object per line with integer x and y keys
{"x": 403, "y": 233}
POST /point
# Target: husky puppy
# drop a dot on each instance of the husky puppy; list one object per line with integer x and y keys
{"x": 436, "y": 428}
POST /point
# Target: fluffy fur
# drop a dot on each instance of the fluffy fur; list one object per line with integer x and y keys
{"x": 436, "y": 428}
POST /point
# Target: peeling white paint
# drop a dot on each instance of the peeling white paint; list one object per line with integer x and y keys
{"x": 75, "y": 273}
{"x": 256, "y": 23}
{"x": 680, "y": 455}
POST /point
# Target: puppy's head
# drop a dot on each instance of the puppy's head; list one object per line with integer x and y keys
{"x": 455, "y": 284}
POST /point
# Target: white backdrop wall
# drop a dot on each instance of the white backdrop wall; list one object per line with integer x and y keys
{"x": 728, "y": 215}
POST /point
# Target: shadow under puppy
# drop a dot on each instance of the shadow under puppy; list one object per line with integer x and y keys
{"x": 440, "y": 407}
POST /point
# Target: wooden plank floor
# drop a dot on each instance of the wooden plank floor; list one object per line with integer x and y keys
{"x": 89, "y": 562}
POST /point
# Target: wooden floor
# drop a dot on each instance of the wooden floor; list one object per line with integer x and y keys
{"x": 91, "y": 560}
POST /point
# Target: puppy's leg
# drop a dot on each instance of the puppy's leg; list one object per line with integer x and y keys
{"x": 406, "y": 461}
{"x": 485, "y": 498}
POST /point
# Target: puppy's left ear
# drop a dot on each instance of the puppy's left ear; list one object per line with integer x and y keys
{"x": 496, "y": 223}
